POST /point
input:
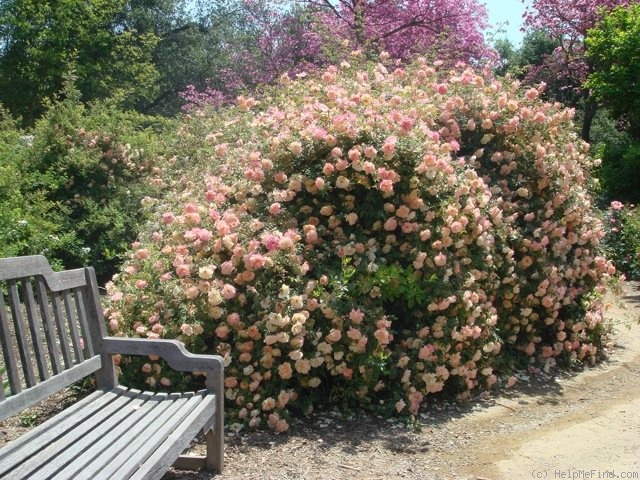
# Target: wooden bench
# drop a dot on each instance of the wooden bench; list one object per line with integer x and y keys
{"x": 52, "y": 335}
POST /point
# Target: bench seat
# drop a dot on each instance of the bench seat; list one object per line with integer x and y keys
{"x": 87, "y": 440}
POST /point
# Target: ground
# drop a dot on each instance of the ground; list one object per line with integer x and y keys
{"x": 552, "y": 425}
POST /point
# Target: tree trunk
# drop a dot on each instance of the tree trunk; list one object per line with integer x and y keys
{"x": 590, "y": 109}
{"x": 358, "y": 22}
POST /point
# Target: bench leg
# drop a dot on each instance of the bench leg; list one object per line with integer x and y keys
{"x": 214, "y": 439}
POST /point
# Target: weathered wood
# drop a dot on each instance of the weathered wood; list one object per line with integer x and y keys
{"x": 31, "y": 266}
{"x": 213, "y": 438}
{"x": 172, "y": 351}
{"x": 154, "y": 457}
{"x": 20, "y": 332}
{"x": 80, "y": 440}
{"x": 115, "y": 432}
{"x": 84, "y": 325}
{"x": 8, "y": 351}
{"x": 179, "y": 439}
{"x": 47, "y": 325}
{"x": 37, "y": 438}
{"x": 38, "y": 352}
{"x": 190, "y": 462}
{"x": 42, "y": 390}
{"x": 106, "y": 377}
{"x": 73, "y": 328}
{"x": 62, "y": 331}
{"x": 110, "y": 448}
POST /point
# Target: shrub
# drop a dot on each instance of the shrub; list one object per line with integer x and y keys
{"x": 619, "y": 170}
{"x": 77, "y": 182}
{"x": 371, "y": 237}
{"x": 622, "y": 242}
{"x": 25, "y": 224}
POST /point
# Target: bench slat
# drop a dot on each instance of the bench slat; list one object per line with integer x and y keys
{"x": 141, "y": 447}
{"x": 8, "y": 351}
{"x": 192, "y": 412}
{"x": 84, "y": 325}
{"x": 179, "y": 439}
{"x": 108, "y": 450}
{"x": 34, "y": 439}
{"x": 21, "y": 337}
{"x": 47, "y": 323}
{"x": 30, "y": 266}
{"x": 63, "y": 447}
{"x": 39, "y": 353}
{"x": 62, "y": 331}
{"x": 88, "y": 439}
{"x": 30, "y": 396}
{"x": 73, "y": 328}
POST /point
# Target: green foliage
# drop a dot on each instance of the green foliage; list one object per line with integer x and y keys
{"x": 613, "y": 49}
{"x": 26, "y": 225}
{"x": 71, "y": 188}
{"x": 622, "y": 241}
{"x": 619, "y": 170}
{"x": 144, "y": 52}
{"x": 42, "y": 40}
{"x": 29, "y": 418}
{"x": 536, "y": 45}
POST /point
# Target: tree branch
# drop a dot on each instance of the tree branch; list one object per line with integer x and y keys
{"x": 417, "y": 22}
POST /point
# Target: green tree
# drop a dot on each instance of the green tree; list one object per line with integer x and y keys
{"x": 201, "y": 48}
{"x": 523, "y": 62}
{"x": 40, "y": 41}
{"x": 144, "y": 52}
{"x": 614, "y": 51}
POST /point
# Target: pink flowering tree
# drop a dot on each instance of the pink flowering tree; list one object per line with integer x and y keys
{"x": 444, "y": 29}
{"x": 301, "y": 35}
{"x": 567, "y": 23}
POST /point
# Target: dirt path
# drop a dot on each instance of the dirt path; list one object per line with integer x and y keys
{"x": 586, "y": 426}
{"x": 580, "y": 425}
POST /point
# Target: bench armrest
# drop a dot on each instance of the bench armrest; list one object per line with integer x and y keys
{"x": 174, "y": 353}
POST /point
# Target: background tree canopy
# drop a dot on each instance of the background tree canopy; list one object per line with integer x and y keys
{"x": 144, "y": 51}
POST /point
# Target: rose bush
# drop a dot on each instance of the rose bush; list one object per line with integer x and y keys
{"x": 371, "y": 235}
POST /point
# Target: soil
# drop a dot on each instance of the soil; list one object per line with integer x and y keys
{"x": 552, "y": 425}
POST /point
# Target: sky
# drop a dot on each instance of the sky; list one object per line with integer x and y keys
{"x": 501, "y": 11}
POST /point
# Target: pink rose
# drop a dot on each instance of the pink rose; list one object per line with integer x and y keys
{"x": 228, "y": 291}
{"x": 222, "y": 331}
{"x": 182, "y": 270}
{"x": 386, "y": 185}
{"x": 391, "y": 224}
{"x": 285, "y": 371}
{"x": 356, "y": 316}
{"x": 440, "y": 259}
{"x": 168, "y": 218}
{"x": 275, "y": 208}
{"x": 334, "y": 335}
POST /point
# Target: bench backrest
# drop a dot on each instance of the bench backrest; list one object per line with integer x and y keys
{"x": 50, "y": 329}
